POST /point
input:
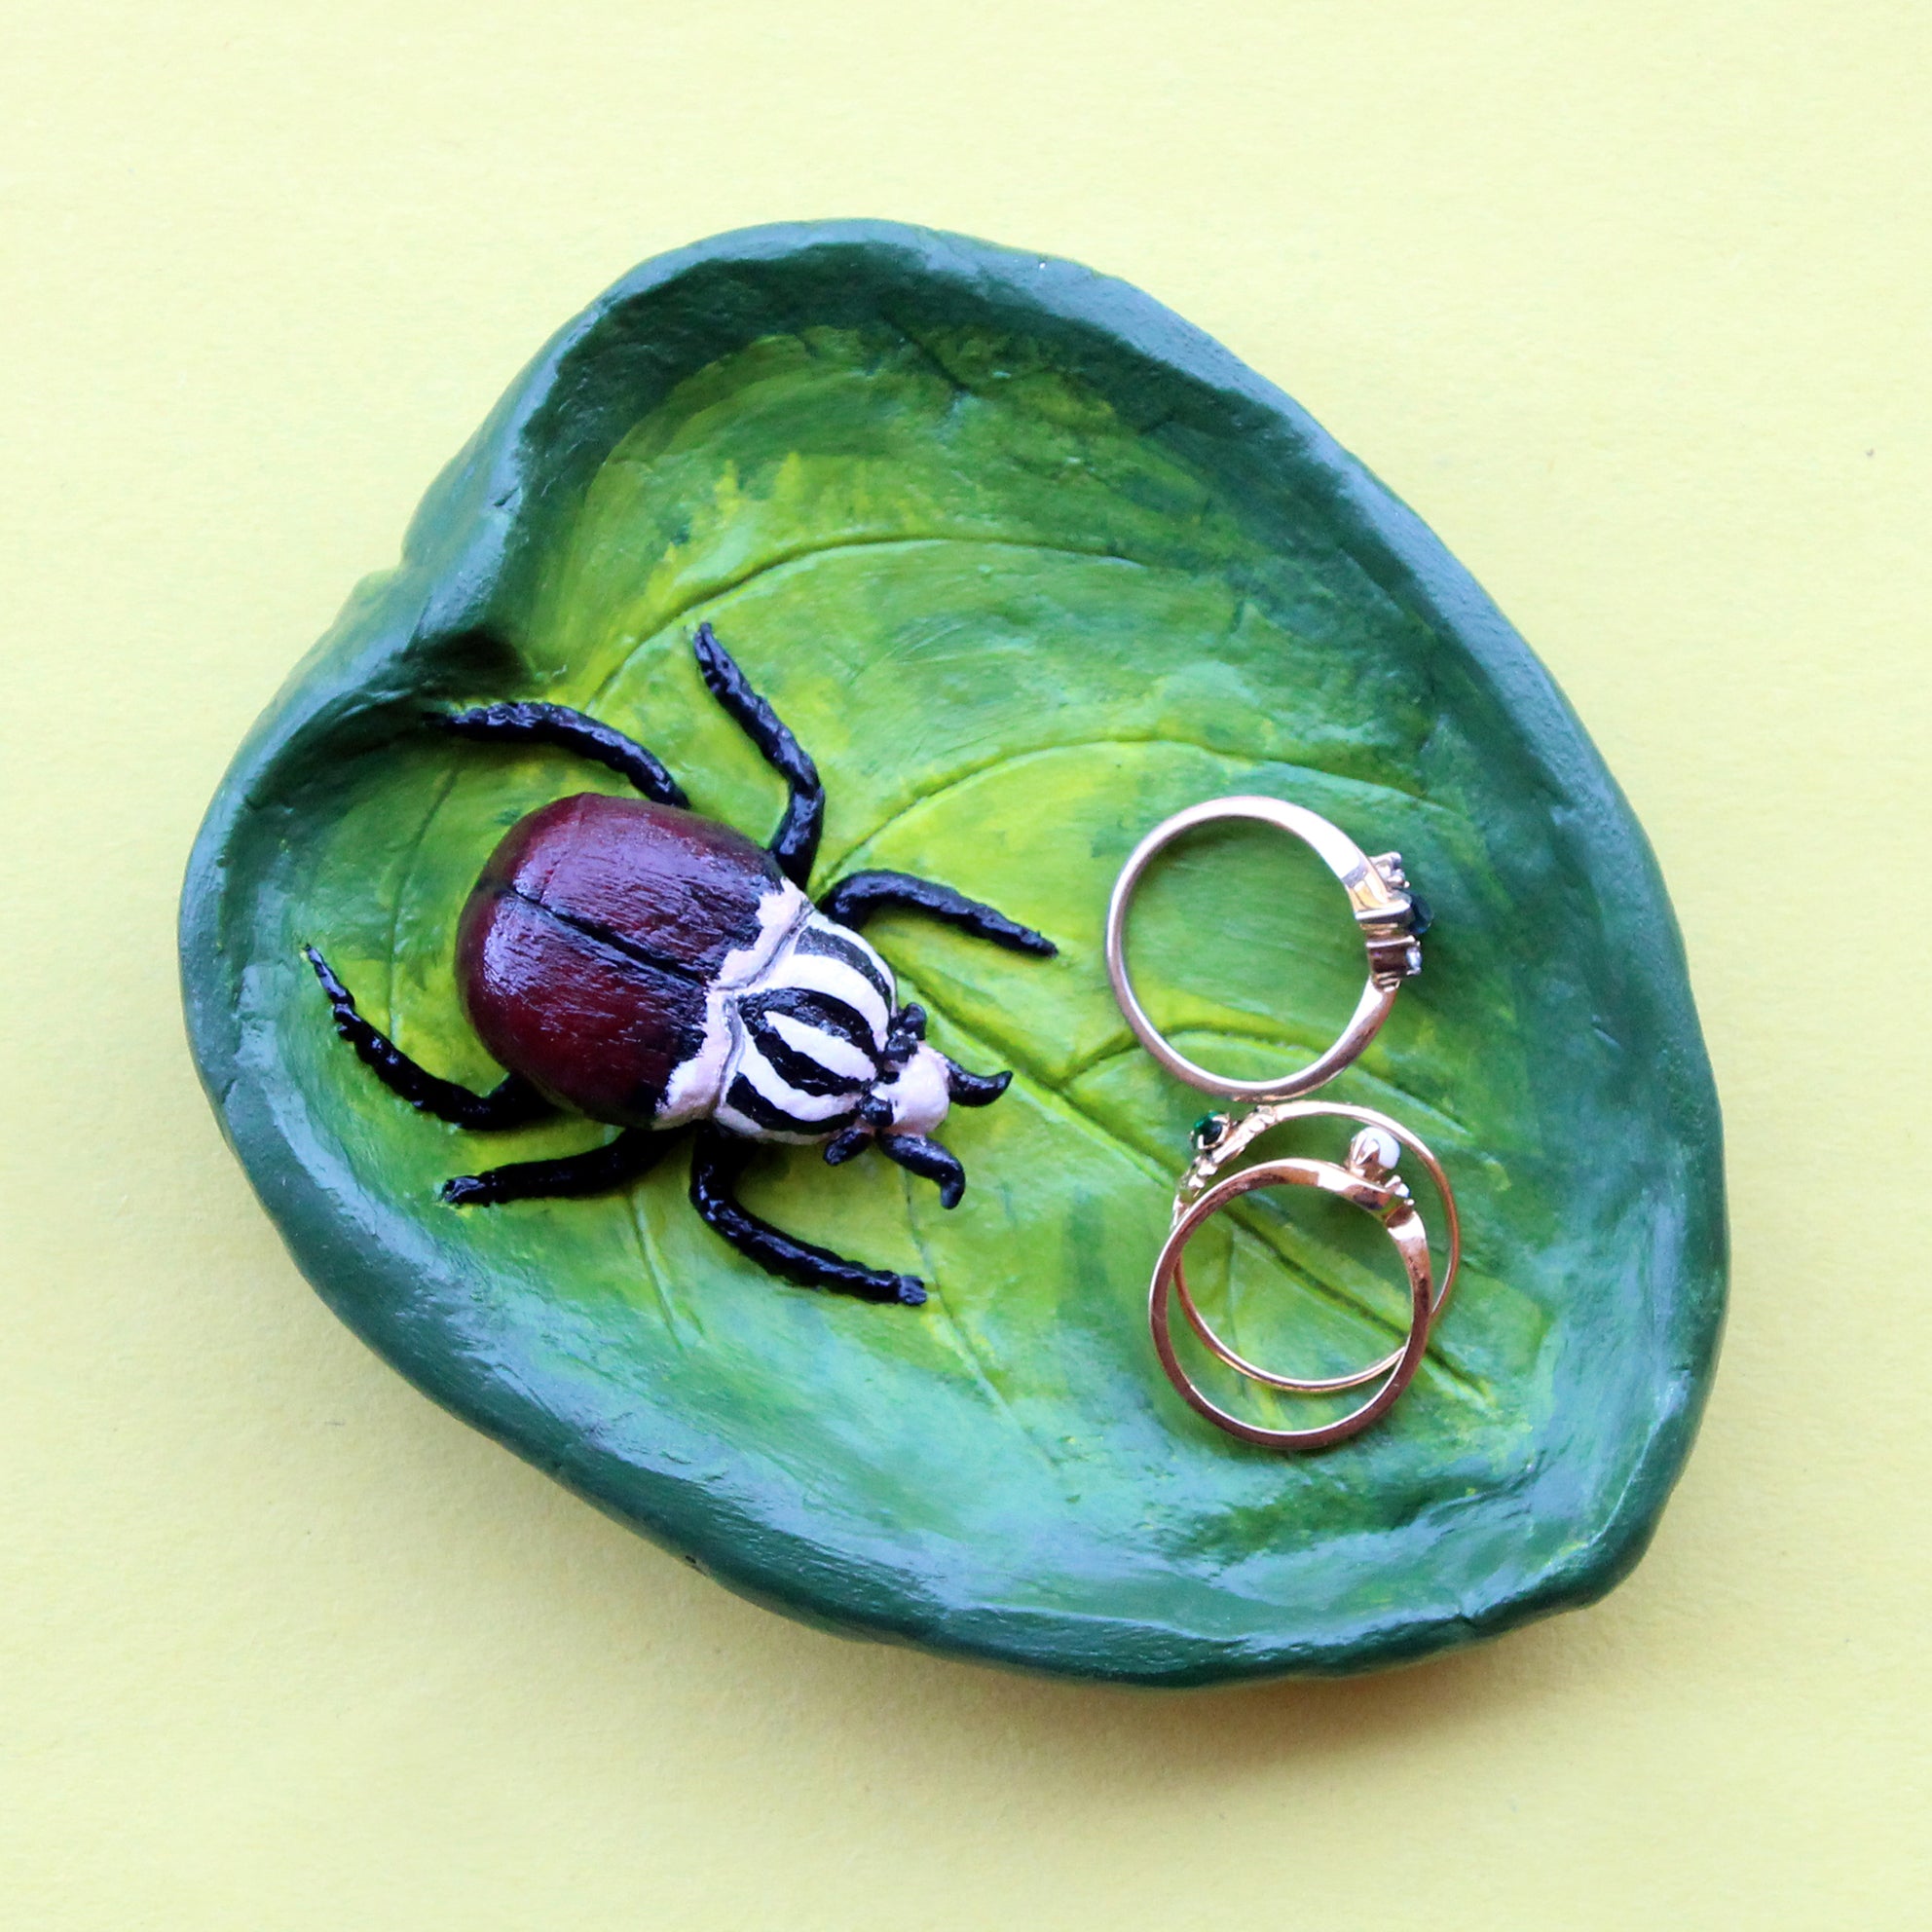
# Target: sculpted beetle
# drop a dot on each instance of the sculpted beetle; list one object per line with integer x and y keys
{"x": 633, "y": 961}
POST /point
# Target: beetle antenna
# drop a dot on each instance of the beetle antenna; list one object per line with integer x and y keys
{"x": 842, "y": 1145}
{"x": 920, "y": 1156}
{"x": 875, "y": 1113}
{"x": 974, "y": 1090}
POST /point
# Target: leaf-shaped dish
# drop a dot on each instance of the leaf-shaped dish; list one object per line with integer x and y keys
{"x": 1027, "y": 563}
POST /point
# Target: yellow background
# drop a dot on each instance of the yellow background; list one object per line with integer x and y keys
{"x": 1630, "y": 302}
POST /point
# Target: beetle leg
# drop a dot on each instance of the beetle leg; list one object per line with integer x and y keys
{"x": 794, "y": 845}
{"x": 597, "y": 1170}
{"x": 854, "y": 900}
{"x": 571, "y": 731}
{"x": 920, "y": 1156}
{"x": 513, "y": 1102}
{"x": 717, "y": 1163}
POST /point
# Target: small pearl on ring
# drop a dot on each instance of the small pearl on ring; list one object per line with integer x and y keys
{"x": 1373, "y": 1153}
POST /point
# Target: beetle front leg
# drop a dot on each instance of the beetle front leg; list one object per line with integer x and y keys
{"x": 855, "y": 899}
{"x": 717, "y": 1164}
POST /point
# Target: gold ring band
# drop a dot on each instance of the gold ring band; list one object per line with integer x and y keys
{"x": 1240, "y": 1136}
{"x": 1391, "y": 920}
{"x": 1384, "y": 913}
{"x": 1395, "y": 1213}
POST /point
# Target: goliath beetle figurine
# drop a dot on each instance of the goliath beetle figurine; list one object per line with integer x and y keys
{"x": 630, "y": 960}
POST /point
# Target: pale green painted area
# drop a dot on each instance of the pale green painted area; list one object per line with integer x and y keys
{"x": 1023, "y": 588}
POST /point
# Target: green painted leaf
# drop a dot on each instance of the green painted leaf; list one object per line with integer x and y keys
{"x": 1027, "y": 563}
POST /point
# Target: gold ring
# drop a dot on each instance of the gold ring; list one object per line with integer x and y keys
{"x": 1391, "y": 920}
{"x": 1391, "y": 1207}
{"x": 1239, "y": 1136}
{"x": 1390, "y": 917}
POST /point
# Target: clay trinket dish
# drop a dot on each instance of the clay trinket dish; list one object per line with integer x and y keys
{"x": 1025, "y": 563}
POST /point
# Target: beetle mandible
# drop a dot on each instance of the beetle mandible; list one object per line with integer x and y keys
{"x": 633, "y": 961}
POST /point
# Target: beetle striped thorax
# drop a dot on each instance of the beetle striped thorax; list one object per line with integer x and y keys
{"x": 795, "y": 1036}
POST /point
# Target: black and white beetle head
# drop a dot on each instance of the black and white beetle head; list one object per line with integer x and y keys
{"x": 804, "y": 1042}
